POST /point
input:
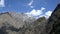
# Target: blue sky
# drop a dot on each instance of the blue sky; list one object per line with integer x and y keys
{"x": 33, "y": 7}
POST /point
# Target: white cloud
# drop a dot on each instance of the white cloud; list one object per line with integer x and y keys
{"x": 2, "y": 3}
{"x": 47, "y": 14}
{"x": 35, "y": 12}
{"x": 32, "y": 6}
{"x": 42, "y": 8}
{"x": 30, "y": 3}
{"x": 39, "y": 13}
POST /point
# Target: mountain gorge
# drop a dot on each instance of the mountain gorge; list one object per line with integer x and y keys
{"x": 14, "y": 23}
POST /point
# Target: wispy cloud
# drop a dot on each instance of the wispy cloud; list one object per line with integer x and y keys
{"x": 35, "y": 12}
{"x": 2, "y": 3}
{"x": 42, "y": 8}
{"x": 30, "y": 3}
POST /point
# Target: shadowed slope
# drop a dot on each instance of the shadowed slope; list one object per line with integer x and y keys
{"x": 53, "y": 25}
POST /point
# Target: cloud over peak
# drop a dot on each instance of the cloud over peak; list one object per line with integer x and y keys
{"x": 36, "y": 12}
{"x": 39, "y": 13}
{"x": 47, "y": 14}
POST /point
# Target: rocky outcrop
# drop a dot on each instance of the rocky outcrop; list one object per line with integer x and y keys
{"x": 10, "y": 22}
{"x": 36, "y": 27}
{"x": 53, "y": 25}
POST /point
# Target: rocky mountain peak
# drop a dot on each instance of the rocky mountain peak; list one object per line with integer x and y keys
{"x": 15, "y": 19}
{"x": 54, "y": 22}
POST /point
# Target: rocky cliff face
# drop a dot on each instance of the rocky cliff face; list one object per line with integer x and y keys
{"x": 37, "y": 27}
{"x": 53, "y": 25}
{"x": 13, "y": 21}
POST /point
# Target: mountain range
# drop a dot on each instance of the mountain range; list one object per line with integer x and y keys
{"x": 20, "y": 23}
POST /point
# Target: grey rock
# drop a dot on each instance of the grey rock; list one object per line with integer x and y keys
{"x": 53, "y": 25}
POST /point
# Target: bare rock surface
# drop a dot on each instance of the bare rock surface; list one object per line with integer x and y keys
{"x": 53, "y": 25}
